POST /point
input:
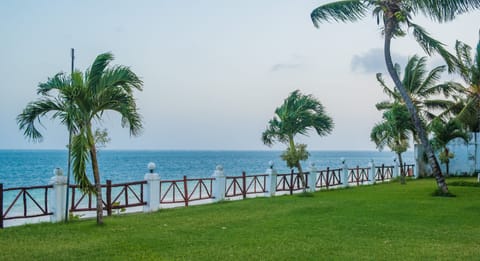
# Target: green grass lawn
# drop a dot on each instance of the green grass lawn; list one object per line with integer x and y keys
{"x": 385, "y": 221}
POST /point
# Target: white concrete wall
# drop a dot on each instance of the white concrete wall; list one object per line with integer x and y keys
{"x": 465, "y": 161}
{"x": 465, "y": 153}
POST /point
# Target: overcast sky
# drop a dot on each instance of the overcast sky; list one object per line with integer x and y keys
{"x": 213, "y": 70}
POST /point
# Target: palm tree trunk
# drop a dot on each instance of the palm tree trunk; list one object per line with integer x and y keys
{"x": 402, "y": 170}
{"x": 436, "y": 171}
{"x": 96, "y": 176}
{"x": 299, "y": 166}
{"x": 447, "y": 162}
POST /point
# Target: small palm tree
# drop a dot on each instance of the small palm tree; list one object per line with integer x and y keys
{"x": 297, "y": 115}
{"x": 396, "y": 17}
{"x": 394, "y": 132}
{"x": 78, "y": 102}
{"x": 422, "y": 88}
{"x": 443, "y": 133}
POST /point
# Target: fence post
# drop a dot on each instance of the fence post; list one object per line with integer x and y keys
{"x": 244, "y": 185}
{"x": 312, "y": 181}
{"x": 185, "y": 190}
{"x": 415, "y": 173}
{"x": 218, "y": 184}
{"x": 1, "y": 205}
{"x": 344, "y": 172}
{"x": 291, "y": 182}
{"x": 271, "y": 181}
{"x": 109, "y": 197}
{"x": 58, "y": 195}
{"x": 372, "y": 171}
{"x": 152, "y": 189}
{"x": 396, "y": 168}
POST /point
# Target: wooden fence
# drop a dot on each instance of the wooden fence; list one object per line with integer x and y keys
{"x": 30, "y": 202}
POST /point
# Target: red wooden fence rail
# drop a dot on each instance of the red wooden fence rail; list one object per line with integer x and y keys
{"x": 358, "y": 175}
{"x": 245, "y": 184}
{"x": 180, "y": 193}
{"x": 24, "y": 193}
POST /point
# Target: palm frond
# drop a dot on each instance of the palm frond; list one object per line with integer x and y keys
{"x": 390, "y": 92}
{"x": 340, "y": 11}
{"x": 58, "y": 82}
{"x": 34, "y": 112}
{"x": 444, "y": 10}
{"x": 80, "y": 159}
{"x": 431, "y": 45}
{"x": 95, "y": 73}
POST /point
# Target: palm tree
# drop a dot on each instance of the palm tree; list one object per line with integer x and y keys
{"x": 396, "y": 16}
{"x": 394, "y": 131}
{"x": 80, "y": 101}
{"x": 423, "y": 89}
{"x": 298, "y": 114}
{"x": 443, "y": 134}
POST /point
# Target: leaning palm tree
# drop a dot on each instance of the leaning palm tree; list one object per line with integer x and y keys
{"x": 298, "y": 114}
{"x": 443, "y": 133}
{"x": 396, "y": 17}
{"x": 79, "y": 102}
{"x": 423, "y": 89}
{"x": 394, "y": 132}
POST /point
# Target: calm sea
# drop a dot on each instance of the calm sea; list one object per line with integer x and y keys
{"x": 35, "y": 167}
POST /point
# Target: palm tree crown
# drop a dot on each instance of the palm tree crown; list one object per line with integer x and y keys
{"x": 422, "y": 88}
{"x": 298, "y": 114}
{"x": 469, "y": 69}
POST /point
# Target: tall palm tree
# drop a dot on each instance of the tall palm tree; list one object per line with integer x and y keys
{"x": 443, "y": 133}
{"x": 394, "y": 132}
{"x": 396, "y": 16}
{"x": 79, "y": 102}
{"x": 298, "y": 114}
{"x": 423, "y": 89}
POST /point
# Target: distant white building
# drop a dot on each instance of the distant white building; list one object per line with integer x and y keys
{"x": 465, "y": 161}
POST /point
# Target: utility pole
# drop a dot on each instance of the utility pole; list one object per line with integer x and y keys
{"x": 69, "y": 142}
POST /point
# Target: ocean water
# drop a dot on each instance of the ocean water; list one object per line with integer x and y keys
{"x": 20, "y": 168}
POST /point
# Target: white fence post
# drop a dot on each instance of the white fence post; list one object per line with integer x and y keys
{"x": 152, "y": 189}
{"x": 312, "y": 179}
{"x": 396, "y": 168}
{"x": 372, "y": 172}
{"x": 58, "y": 196}
{"x": 271, "y": 180}
{"x": 344, "y": 173}
{"x": 219, "y": 184}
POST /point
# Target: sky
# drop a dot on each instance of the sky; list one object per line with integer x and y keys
{"x": 213, "y": 70}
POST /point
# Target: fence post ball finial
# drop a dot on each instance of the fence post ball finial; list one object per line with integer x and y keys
{"x": 151, "y": 167}
{"x": 342, "y": 159}
{"x": 270, "y": 164}
{"x": 58, "y": 172}
{"x": 219, "y": 168}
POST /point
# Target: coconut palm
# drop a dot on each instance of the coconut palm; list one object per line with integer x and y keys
{"x": 468, "y": 67}
{"x": 422, "y": 88}
{"x": 443, "y": 133}
{"x": 298, "y": 114}
{"x": 80, "y": 101}
{"x": 394, "y": 132}
{"x": 396, "y": 17}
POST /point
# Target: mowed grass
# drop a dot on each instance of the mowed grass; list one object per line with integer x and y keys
{"x": 381, "y": 222}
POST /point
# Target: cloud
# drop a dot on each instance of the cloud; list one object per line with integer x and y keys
{"x": 373, "y": 61}
{"x": 295, "y": 62}
{"x": 285, "y": 66}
